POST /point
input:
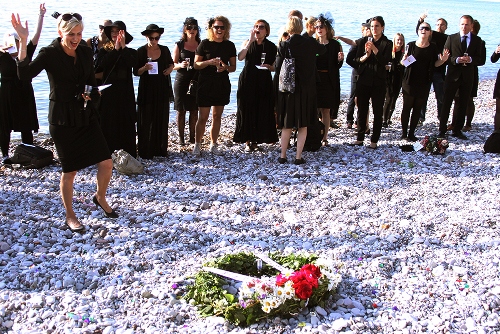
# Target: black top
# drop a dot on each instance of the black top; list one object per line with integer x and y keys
{"x": 67, "y": 78}
{"x": 420, "y": 72}
{"x": 210, "y": 49}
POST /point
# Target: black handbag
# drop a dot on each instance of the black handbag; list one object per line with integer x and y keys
{"x": 287, "y": 73}
{"x": 31, "y": 156}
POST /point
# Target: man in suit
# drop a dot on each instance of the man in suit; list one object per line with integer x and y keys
{"x": 370, "y": 57}
{"x": 465, "y": 54}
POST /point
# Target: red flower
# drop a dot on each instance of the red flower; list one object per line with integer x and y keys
{"x": 312, "y": 269}
{"x": 281, "y": 280}
{"x": 298, "y": 276}
{"x": 311, "y": 279}
{"x": 303, "y": 290}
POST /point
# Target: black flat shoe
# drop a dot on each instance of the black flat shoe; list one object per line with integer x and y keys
{"x": 354, "y": 144}
{"x": 459, "y": 135}
{"x": 372, "y": 147}
{"x": 282, "y": 160}
{"x": 412, "y": 138}
{"x": 299, "y": 161}
{"x": 111, "y": 214}
{"x": 80, "y": 229}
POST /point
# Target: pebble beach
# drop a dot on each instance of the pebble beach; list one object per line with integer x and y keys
{"x": 416, "y": 236}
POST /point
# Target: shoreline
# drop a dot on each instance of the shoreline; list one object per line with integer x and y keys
{"x": 416, "y": 235}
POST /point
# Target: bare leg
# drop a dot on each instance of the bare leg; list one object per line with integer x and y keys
{"x": 104, "y": 172}
{"x": 66, "y": 187}
{"x": 181, "y": 123}
{"x": 285, "y": 141}
{"x": 301, "y": 140}
{"x": 201, "y": 123}
{"x": 216, "y": 122}
{"x": 325, "y": 117}
{"x": 193, "y": 118}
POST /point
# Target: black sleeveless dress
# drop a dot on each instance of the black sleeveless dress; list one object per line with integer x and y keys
{"x": 183, "y": 101}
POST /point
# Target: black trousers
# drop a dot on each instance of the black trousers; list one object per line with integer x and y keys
{"x": 464, "y": 88}
{"x": 377, "y": 95}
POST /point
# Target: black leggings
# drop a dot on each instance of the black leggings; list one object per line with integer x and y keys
{"x": 26, "y": 138}
{"x": 410, "y": 103}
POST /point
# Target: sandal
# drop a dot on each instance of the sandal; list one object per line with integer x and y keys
{"x": 324, "y": 142}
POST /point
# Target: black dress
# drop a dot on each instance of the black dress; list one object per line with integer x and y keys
{"x": 255, "y": 121}
{"x": 328, "y": 87}
{"x": 183, "y": 76}
{"x": 117, "y": 110}
{"x": 214, "y": 88}
{"x": 299, "y": 109}
{"x": 496, "y": 91}
{"x": 77, "y": 136}
{"x": 418, "y": 76}
{"x": 153, "y": 100}
{"x": 17, "y": 99}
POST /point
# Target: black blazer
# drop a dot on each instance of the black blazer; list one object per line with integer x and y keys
{"x": 454, "y": 45}
{"x": 334, "y": 65}
{"x": 304, "y": 50}
{"x": 372, "y": 71}
{"x": 67, "y": 80}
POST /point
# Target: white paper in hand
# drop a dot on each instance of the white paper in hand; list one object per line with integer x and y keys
{"x": 154, "y": 70}
{"x": 408, "y": 61}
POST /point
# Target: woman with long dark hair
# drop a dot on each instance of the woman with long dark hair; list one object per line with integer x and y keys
{"x": 328, "y": 66}
{"x": 255, "y": 121}
{"x": 73, "y": 122}
{"x": 154, "y": 94}
{"x": 215, "y": 58}
{"x": 395, "y": 72}
{"x": 117, "y": 109}
{"x": 17, "y": 99}
{"x": 184, "y": 51}
{"x": 417, "y": 79}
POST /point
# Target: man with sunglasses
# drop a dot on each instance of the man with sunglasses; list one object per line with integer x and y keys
{"x": 438, "y": 37}
{"x": 465, "y": 54}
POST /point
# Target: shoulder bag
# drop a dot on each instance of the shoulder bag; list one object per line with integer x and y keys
{"x": 287, "y": 73}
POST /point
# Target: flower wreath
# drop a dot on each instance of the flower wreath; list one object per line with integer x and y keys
{"x": 434, "y": 145}
{"x": 228, "y": 286}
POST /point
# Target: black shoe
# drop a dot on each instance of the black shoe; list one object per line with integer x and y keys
{"x": 385, "y": 125}
{"x": 80, "y": 229}
{"x": 354, "y": 144}
{"x": 367, "y": 132}
{"x": 282, "y": 160}
{"x": 349, "y": 125}
{"x": 412, "y": 138}
{"x": 459, "y": 135}
{"x": 403, "y": 137}
{"x": 111, "y": 214}
{"x": 299, "y": 161}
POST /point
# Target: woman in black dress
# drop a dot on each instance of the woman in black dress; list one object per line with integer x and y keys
{"x": 298, "y": 109}
{"x": 255, "y": 121}
{"x": 215, "y": 58}
{"x": 395, "y": 72}
{"x": 154, "y": 94}
{"x": 183, "y": 63}
{"x": 117, "y": 109}
{"x": 417, "y": 79}
{"x": 17, "y": 99}
{"x": 73, "y": 123}
{"x": 328, "y": 66}
{"x": 496, "y": 91}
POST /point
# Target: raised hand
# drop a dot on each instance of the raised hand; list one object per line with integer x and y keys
{"x": 446, "y": 54}
{"x": 18, "y": 27}
{"x": 42, "y": 9}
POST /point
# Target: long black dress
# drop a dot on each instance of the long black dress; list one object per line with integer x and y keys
{"x": 214, "y": 88}
{"x": 183, "y": 101}
{"x": 117, "y": 109}
{"x": 153, "y": 100}
{"x": 77, "y": 136}
{"x": 255, "y": 121}
{"x": 17, "y": 99}
{"x": 496, "y": 91}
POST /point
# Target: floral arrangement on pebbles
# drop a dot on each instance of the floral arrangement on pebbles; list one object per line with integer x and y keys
{"x": 434, "y": 145}
{"x": 245, "y": 288}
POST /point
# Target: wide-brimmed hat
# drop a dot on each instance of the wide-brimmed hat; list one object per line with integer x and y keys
{"x": 151, "y": 28}
{"x": 120, "y": 25}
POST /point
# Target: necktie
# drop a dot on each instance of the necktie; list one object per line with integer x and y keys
{"x": 464, "y": 44}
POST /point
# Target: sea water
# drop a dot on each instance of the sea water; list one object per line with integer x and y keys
{"x": 399, "y": 16}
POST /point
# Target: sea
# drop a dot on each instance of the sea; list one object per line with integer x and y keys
{"x": 400, "y": 16}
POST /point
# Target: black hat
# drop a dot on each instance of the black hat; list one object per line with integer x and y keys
{"x": 120, "y": 25}
{"x": 366, "y": 24}
{"x": 151, "y": 28}
{"x": 190, "y": 21}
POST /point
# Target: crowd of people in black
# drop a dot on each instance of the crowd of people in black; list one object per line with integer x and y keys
{"x": 93, "y": 109}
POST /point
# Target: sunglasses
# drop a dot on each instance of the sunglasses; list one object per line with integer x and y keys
{"x": 157, "y": 38}
{"x": 259, "y": 27}
{"x": 424, "y": 28}
{"x": 319, "y": 27}
{"x": 219, "y": 27}
{"x": 191, "y": 27}
{"x": 285, "y": 34}
{"x": 67, "y": 16}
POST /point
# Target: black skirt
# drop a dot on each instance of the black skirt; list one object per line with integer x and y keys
{"x": 325, "y": 91}
{"x": 79, "y": 147}
{"x": 183, "y": 101}
{"x": 496, "y": 90}
{"x": 213, "y": 90}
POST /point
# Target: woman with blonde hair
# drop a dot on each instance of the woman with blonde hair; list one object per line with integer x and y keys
{"x": 255, "y": 122}
{"x": 215, "y": 57}
{"x": 73, "y": 121}
{"x": 328, "y": 66}
{"x": 395, "y": 72}
{"x": 298, "y": 109}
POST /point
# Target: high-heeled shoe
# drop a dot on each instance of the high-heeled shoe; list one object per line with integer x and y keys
{"x": 111, "y": 214}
